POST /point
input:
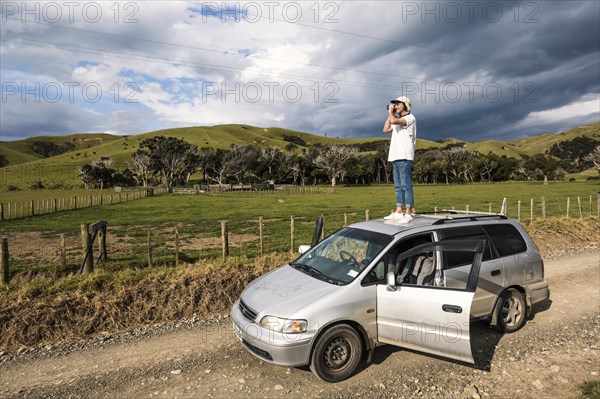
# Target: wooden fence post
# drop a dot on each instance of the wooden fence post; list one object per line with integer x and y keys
{"x": 543, "y": 208}
{"x": 367, "y": 215}
{"x": 323, "y": 229}
{"x": 176, "y": 246}
{"x": 54, "y": 205}
{"x": 531, "y": 211}
{"x": 519, "y": 210}
{"x": 292, "y": 235}
{"x": 4, "y": 261}
{"x": 224, "y": 239}
{"x": 590, "y": 205}
{"x": 579, "y": 205}
{"x": 63, "y": 250}
{"x": 32, "y": 208}
{"x": 2, "y": 212}
{"x": 435, "y": 209}
{"x": 568, "y": 205}
{"x": 88, "y": 250}
{"x": 102, "y": 243}
{"x": 467, "y": 208}
{"x": 503, "y": 210}
{"x": 149, "y": 248}
{"x": 598, "y": 204}
{"x": 74, "y": 202}
{"x": 261, "y": 248}
{"x": 490, "y": 207}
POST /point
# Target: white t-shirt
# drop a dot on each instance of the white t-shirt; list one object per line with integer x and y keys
{"x": 404, "y": 140}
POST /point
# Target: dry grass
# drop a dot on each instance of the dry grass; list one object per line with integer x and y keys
{"x": 557, "y": 235}
{"x": 48, "y": 310}
{"x": 27, "y": 319}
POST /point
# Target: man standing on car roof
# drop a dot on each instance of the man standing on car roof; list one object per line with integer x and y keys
{"x": 403, "y": 127}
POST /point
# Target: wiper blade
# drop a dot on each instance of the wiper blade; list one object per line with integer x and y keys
{"x": 307, "y": 268}
{"x": 315, "y": 272}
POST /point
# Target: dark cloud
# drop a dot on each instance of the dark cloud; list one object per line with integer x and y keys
{"x": 20, "y": 120}
{"x": 542, "y": 55}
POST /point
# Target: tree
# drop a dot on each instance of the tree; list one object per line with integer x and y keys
{"x": 573, "y": 153}
{"x": 98, "y": 174}
{"x": 383, "y": 149}
{"x": 49, "y": 149}
{"x": 171, "y": 158}
{"x": 594, "y": 157}
{"x": 297, "y": 166}
{"x": 140, "y": 165}
{"x": 3, "y": 161}
{"x": 271, "y": 156}
{"x": 206, "y": 158}
{"x": 335, "y": 160}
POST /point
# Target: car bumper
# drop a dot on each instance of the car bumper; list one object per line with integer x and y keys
{"x": 290, "y": 350}
{"x": 538, "y": 292}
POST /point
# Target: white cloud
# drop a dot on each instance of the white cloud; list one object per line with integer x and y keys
{"x": 584, "y": 108}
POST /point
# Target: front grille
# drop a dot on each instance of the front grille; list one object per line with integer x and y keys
{"x": 258, "y": 351}
{"x": 247, "y": 311}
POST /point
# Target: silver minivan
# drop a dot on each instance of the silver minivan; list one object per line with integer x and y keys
{"x": 415, "y": 285}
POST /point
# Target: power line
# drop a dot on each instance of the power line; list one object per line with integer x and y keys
{"x": 170, "y": 61}
{"x": 420, "y": 46}
{"x": 221, "y": 52}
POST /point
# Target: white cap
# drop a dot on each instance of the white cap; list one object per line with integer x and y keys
{"x": 406, "y": 101}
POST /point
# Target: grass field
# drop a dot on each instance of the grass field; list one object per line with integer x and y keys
{"x": 34, "y": 240}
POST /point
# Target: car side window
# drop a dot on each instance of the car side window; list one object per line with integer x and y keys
{"x": 455, "y": 259}
{"x": 389, "y": 261}
{"x": 506, "y": 238}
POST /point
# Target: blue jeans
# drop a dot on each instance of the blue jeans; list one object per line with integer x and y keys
{"x": 403, "y": 183}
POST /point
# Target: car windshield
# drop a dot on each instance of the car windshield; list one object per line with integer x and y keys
{"x": 343, "y": 255}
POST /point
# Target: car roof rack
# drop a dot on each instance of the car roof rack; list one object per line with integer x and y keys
{"x": 457, "y": 216}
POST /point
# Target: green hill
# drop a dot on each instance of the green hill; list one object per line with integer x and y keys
{"x": 27, "y": 166}
{"x": 21, "y": 151}
{"x": 541, "y": 143}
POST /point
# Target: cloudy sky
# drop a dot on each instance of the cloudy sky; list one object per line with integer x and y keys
{"x": 473, "y": 70}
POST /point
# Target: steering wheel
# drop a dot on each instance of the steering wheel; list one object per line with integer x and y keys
{"x": 347, "y": 256}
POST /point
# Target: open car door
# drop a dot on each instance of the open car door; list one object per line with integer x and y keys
{"x": 430, "y": 318}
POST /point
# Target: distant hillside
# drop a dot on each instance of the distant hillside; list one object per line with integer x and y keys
{"x": 33, "y": 148}
{"x": 534, "y": 145}
{"x": 27, "y": 166}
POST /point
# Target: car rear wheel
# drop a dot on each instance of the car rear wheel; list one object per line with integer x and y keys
{"x": 337, "y": 353}
{"x": 511, "y": 311}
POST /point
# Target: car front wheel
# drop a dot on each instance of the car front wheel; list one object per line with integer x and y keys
{"x": 511, "y": 311}
{"x": 337, "y": 353}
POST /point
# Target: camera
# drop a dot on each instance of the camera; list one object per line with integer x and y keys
{"x": 393, "y": 103}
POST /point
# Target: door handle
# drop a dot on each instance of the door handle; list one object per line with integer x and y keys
{"x": 496, "y": 272}
{"x": 451, "y": 308}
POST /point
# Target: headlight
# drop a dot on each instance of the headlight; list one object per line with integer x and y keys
{"x": 287, "y": 326}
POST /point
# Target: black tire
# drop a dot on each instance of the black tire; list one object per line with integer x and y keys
{"x": 511, "y": 311}
{"x": 337, "y": 353}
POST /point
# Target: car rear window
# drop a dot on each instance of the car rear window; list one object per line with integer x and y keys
{"x": 506, "y": 238}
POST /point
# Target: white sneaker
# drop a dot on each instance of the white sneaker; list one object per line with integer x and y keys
{"x": 394, "y": 216}
{"x": 406, "y": 219}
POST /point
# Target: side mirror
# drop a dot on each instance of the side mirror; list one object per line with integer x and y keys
{"x": 391, "y": 281}
{"x": 303, "y": 248}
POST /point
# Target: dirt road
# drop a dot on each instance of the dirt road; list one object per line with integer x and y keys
{"x": 550, "y": 357}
